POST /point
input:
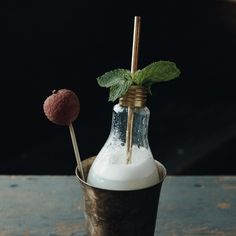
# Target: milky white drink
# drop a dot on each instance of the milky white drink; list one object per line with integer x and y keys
{"x": 110, "y": 171}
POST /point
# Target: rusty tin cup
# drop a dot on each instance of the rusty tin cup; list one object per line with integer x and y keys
{"x": 120, "y": 213}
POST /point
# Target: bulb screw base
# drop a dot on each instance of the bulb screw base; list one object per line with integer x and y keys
{"x": 135, "y": 97}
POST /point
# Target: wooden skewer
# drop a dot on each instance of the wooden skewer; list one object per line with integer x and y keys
{"x": 134, "y": 67}
{"x": 76, "y": 150}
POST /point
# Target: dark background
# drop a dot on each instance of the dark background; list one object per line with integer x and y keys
{"x": 48, "y": 45}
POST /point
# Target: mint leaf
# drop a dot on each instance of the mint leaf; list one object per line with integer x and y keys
{"x": 119, "y": 89}
{"x": 118, "y": 81}
{"x": 156, "y": 72}
{"x": 114, "y": 77}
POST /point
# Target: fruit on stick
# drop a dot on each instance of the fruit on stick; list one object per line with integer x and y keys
{"x": 62, "y": 108}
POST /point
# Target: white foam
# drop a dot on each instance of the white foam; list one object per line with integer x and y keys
{"x": 110, "y": 171}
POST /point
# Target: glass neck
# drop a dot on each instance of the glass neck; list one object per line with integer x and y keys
{"x": 140, "y": 125}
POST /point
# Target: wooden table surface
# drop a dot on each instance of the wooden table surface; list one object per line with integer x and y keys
{"x": 52, "y": 206}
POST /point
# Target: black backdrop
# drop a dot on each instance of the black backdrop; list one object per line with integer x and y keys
{"x": 48, "y": 45}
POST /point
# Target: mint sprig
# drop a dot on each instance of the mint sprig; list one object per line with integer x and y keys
{"x": 120, "y": 80}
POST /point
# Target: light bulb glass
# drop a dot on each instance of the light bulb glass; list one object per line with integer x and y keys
{"x": 110, "y": 169}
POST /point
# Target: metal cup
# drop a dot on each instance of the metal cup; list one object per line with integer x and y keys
{"x": 120, "y": 213}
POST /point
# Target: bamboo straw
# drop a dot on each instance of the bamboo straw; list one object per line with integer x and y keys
{"x": 134, "y": 66}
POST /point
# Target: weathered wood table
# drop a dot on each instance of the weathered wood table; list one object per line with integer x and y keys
{"x": 52, "y": 206}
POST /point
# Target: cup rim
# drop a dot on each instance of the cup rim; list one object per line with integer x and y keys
{"x": 160, "y": 167}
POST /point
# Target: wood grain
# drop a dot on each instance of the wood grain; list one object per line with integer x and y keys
{"x": 52, "y": 206}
